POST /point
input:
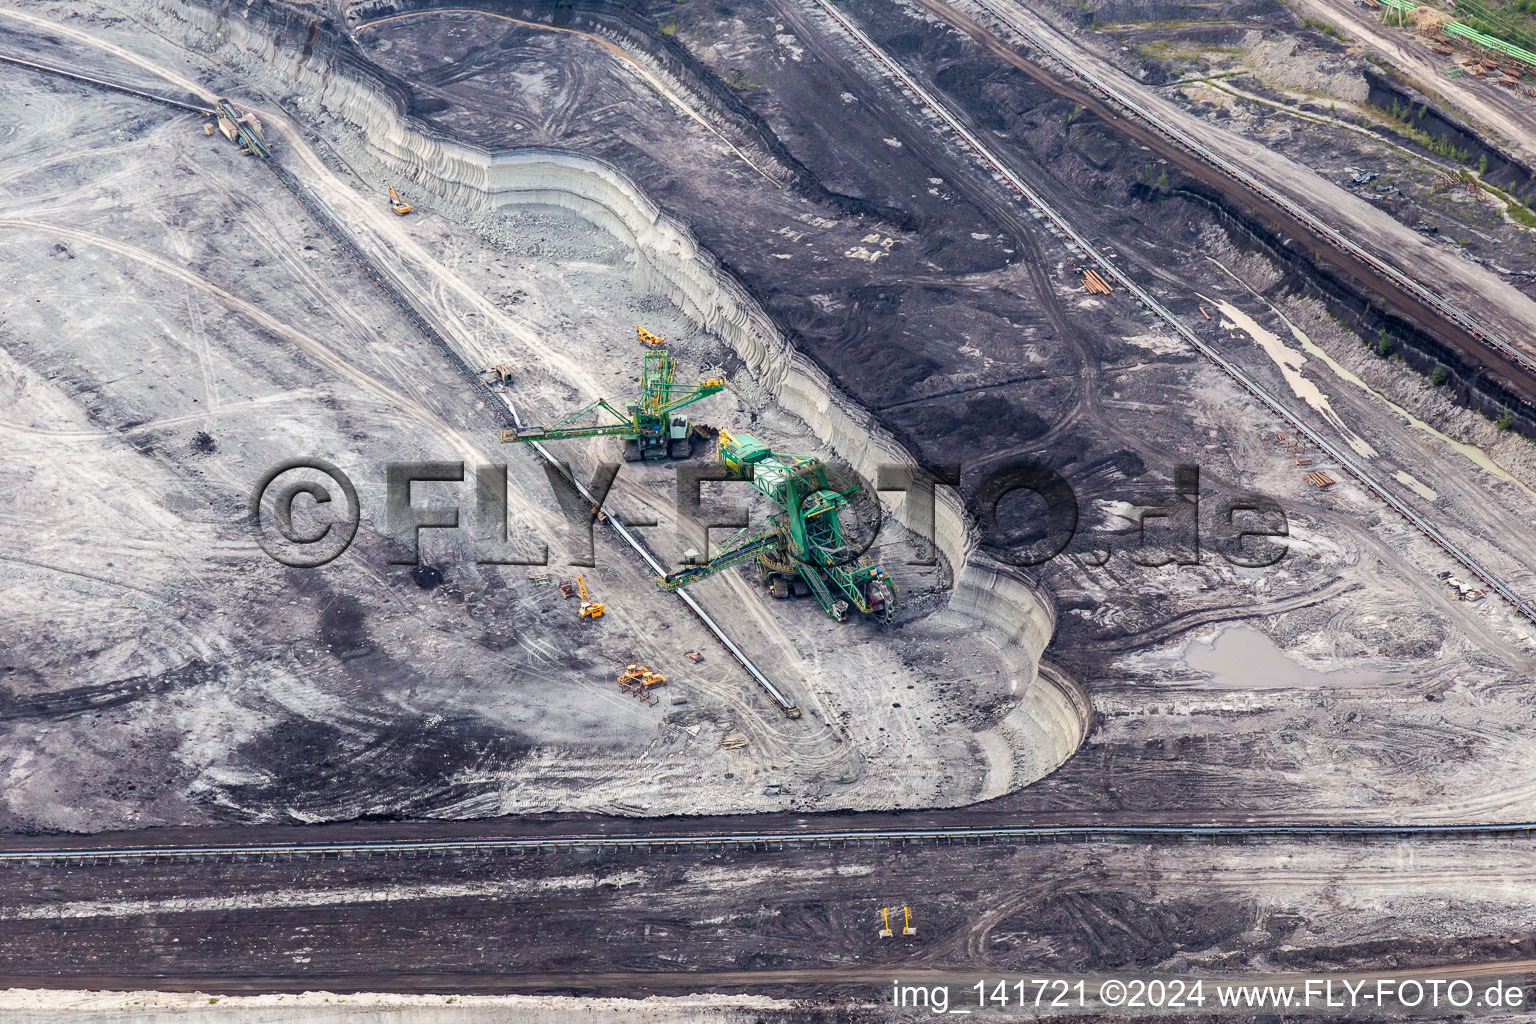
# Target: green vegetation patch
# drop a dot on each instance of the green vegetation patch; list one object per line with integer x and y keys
{"x": 1398, "y": 117}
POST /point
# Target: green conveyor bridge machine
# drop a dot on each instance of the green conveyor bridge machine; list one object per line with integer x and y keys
{"x": 650, "y": 425}
{"x": 801, "y": 549}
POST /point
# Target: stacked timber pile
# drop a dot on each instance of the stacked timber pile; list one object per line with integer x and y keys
{"x": 1095, "y": 284}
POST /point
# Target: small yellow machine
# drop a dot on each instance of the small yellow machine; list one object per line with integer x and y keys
{"x": 400, "y": 206}
{"x": 906, "y": 925}
{"x": 641, "y": 677}
{"x": 637, "y": 681}
{"x": 648, "y": 339}
{"x": 589, "y": 609}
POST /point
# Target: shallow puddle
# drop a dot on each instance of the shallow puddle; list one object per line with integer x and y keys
{"x": 1290, "y": 363}
{"x": 1420, "y": 488}
{"x": 1471, "y": 452}
{"x": 1242, "y": 658}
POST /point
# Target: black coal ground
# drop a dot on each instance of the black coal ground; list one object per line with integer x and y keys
{"x": 368, "y": 687}
{"x": 637, "y": 925}
{"x": 976, "y": 362}
{"x": 979, "y": 361}
{"x": 904, "y": 259}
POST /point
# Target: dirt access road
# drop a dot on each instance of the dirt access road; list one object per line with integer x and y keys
{"x": 1509, "y": 118}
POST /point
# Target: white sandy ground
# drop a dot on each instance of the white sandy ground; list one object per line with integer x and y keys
{"x": 34, "y": 1006}
{"x": 197, "y": 340}
{"x": 1371, "y": 900}
{"x": 454, "y": 267}
{"x": 1341, "y": 530}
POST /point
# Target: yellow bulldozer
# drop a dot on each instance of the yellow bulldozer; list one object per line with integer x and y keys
{"x": 638, "y": 673}
{"x": 637, "y": 681}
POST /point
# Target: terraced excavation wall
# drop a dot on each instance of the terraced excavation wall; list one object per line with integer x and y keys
{"x": 317, "y": 68}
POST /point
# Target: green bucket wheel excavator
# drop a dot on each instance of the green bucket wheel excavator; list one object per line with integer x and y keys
{"x": 801, "y": 549}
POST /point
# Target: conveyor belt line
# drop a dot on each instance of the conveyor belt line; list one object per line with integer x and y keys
{"x": 103, "y": 84}
{"x": 508, "y": 417}
{"x": 765, "y": 840}
{"x": 1332, "y": 235}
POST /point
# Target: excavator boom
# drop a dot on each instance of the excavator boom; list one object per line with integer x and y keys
{"x": 744, "y": 546}
{"x": 588, "y": 609}
{"x": 648, "y": 423}
{"x": 566, "y": 428}
{"x": 688, "y": 394}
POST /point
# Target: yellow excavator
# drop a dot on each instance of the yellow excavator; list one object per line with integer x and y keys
{"x": 400, "y": 206}
{"x": 589, "y": 609}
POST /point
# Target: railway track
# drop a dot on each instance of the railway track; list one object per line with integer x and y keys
{"x": 392, "y": 286}
{"x": 764, "y": 841}
{"x": 659, "y": 842}
{"x": 784, "y": 701}
{"x": 1346, "y": 463}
